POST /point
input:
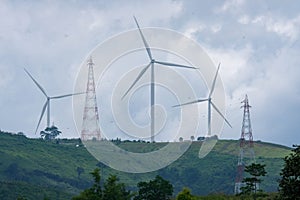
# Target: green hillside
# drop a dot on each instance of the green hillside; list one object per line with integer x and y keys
{"x": 37, "y": 169}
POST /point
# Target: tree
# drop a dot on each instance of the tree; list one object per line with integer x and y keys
{"x": 200, "y": 138}
{"x": 93, "y": 193}
{"x": 256, "y": 171}
{"x": 289, "y": 185}
{"x": 79, "y": 170}
{"x": 157, "y": 189}
{"x": 21, "y": 198}
{"x": 185, "y": 194}
{"x": 50, "y": 133}
{"x": 192, "y": 138}
{"x": 113, "y": 190}
{"x": 181, "y": 139}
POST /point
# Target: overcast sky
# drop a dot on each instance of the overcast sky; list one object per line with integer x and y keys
{"x": 257, "y": 43}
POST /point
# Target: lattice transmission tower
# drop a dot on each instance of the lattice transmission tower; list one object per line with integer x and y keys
{"x": 90, "y": 124}
{"x": 246, "y": 154}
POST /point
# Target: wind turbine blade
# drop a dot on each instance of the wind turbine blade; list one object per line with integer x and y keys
{"x": 144, "y": 40}
{"x": 137, "y": 79}
{"x": 192, "y": 102}
{"x": 214, "y": 82}
{"x": 67, "y": 95}
{"x": 215, "y": 107}
{"x": 39, "y": 86}
{"x": 174, "y": 65}
{"x": 42, "y": 114}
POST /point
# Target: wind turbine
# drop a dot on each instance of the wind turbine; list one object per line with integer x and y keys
{"x": 210, "y": 103}
{"x": 152, "y": 87}
{"x": 47, "y": 103}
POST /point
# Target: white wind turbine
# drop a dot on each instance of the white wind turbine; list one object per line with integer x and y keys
{"x": 152, "y": 87}
{"x": 47, "y": 103}
{"x": 210, "y": 103}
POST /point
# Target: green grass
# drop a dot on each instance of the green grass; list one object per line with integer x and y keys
{"x": 33, "y": 164}
{"x": 17, "y": 189}
{"x": 261, "y": 149}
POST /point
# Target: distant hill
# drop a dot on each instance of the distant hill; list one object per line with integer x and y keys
{"x": 36, "y": 169}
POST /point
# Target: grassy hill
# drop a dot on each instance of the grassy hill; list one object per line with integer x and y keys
{"x": 37, "y": 169}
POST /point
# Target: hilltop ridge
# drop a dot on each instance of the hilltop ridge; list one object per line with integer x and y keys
{"x": 37, "y": 168}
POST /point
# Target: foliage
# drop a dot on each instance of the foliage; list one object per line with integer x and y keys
{"x": 200, "y": 138}
{"x": 50, "y": 169}
{"x": 113, "y": 190}
{"x": 266, "y": 196}
{"x": 79, "y": 170}
{"x": 256, "y": 171}
{"x": 289, "y": 185}
{"x": 220, "y": 197}
{"x": 50, "y": 133}
{"x": 23, "y": 191}
{"x": 93, "y": 193}
{"x": 157, "y": 189}
{"x": 36, "y": 169}
{"x": 185, "y": 194}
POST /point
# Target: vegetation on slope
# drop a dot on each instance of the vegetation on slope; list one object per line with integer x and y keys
{"x": 54, "y": 166}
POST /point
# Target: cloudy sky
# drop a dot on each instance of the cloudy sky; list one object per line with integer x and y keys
{"x": 257, "y": 43}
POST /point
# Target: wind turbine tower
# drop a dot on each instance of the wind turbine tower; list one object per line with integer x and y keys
{"x": 210, "y": 104}
{"x": 90, "y": 124}
{"x": 152, "y": 65}
{"x": 246, "y": 147}
{"x": 47, "y": 103}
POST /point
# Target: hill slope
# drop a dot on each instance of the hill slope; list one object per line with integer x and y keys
{"x": 36, "y": 169}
